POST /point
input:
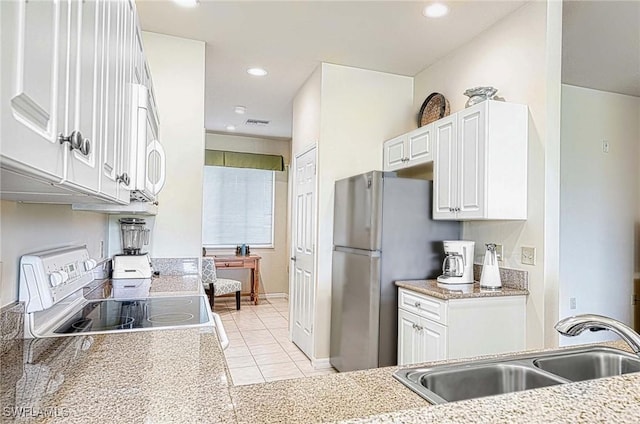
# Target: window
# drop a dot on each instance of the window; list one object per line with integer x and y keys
{"x": 237, "y": 207}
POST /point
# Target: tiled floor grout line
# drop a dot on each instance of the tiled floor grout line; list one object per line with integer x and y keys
{"x": 266, "y": 313}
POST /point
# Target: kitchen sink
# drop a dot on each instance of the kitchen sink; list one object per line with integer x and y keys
{"x": 587, "y": 365}
{"x": 482, "y": 380}
{"x": 474, "y": 379}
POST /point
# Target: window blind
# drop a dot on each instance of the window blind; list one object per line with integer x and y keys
{"x": 237, "y": 207}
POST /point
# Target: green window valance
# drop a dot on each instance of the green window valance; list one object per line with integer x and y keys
{"x": 243, "y": 160}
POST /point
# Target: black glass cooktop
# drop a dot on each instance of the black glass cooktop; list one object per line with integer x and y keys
{"x": 121, "y": 315}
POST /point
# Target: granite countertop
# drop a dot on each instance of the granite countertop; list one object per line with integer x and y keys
{"x": 181, "y": 376}
{"x": 431, "y": 288}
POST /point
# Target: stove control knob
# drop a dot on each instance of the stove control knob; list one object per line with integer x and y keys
{"x": 89, "y": 264}
{"x": 58, "y": 277}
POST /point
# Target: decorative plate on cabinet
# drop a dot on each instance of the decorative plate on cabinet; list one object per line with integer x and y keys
{"x": 436, "y": 106}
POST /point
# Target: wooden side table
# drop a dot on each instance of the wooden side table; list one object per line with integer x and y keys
{"x": 251, "y": 262}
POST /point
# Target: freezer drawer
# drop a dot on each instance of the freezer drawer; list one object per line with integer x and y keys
{"x": 355, "y": 304}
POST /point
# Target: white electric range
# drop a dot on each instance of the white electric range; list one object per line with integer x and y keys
{"x": 52, "y": 284}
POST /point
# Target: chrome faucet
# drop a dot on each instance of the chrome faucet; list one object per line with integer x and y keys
{"x": 572, "y": 326}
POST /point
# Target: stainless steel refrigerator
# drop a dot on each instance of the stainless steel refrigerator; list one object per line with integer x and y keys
{"x": 383, "y": 232}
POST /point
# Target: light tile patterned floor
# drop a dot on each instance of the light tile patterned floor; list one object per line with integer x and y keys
{"x": 259, "y": 346}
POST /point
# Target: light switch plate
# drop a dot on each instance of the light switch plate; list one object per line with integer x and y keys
{"x": 528, "y": 255}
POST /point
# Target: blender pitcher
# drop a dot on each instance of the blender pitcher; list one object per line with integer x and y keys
{"x": 134, "y": 235}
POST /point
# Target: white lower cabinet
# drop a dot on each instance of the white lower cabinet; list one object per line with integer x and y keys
{"x": 420, "y": 338}
{"x": 433, "y": 329}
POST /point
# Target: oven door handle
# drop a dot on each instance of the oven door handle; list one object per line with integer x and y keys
{"x": 222, "y": 335}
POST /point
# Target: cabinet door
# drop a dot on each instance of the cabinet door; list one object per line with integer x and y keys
{"x": 419, "y": 144}
{"x": 33, "y": 52}
{"x": 445, "y": 168}
{"x": 433, "y": 341}
{"x": 126, "y": 69}
{"x": 409, "y": 339}
{"x": 395, "y": 153}
{"x": 83, "y": 87}
{"x": 109, "y": 143}
{"x": 471, "y": 161}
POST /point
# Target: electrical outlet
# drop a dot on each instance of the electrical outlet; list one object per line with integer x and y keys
{"x": 605, "y": 146}
{"x": 499, "y": 250}
{"x": 572, "y": 303}
{"x": 528, "y": 256}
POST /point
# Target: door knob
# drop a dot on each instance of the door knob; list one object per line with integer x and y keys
{"x": 293, "y": 258}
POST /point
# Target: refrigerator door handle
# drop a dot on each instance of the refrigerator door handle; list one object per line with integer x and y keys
{"x": 368, "y": 202}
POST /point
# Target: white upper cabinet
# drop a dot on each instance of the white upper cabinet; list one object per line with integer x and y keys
{"x": 32, "y": 43}
{"x": 395, "y": 153}
{"x": 407, "y": 150}
{"x": 81, "y": 89}
{"x": 480, "y": 166}
{"x": 66, "y": 120}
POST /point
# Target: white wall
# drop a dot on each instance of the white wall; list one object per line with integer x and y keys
{"x": 598, "y": 205}
{"x": 351, "y": 112}
{"x": 511, "y": 56}
{"x": 26, "y": 228}
{"x": 275, "y": 261}
{"x": 177, "y": 70}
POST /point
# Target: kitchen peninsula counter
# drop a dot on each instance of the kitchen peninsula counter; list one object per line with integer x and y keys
{"x": 181, "y": 376}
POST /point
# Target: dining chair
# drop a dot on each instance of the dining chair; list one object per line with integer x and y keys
{"x": 218, "y": 286}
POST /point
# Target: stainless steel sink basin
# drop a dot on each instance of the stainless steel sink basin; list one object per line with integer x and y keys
{"x": 587, "y": 365}
{"x": 483, "y": 380}
{"x": 468, "y": 380}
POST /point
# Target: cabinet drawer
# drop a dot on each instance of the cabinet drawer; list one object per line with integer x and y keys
{"x": 230, "y": 264}
{"x": 425, "y": 306}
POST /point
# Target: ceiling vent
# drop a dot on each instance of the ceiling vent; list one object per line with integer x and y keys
{"x": 257, "y": 122}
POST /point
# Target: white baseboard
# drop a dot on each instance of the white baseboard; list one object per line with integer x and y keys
{"x": 321, "y": 364}
{"x": 276, "y": 296}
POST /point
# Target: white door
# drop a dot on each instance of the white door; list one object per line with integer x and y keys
{"x": 409, "y": 342}
{"x": 33, "y": 46}
{"x": 433, "y": 337}
{"x": 471, "y": 162}
{"x": 445, "y": 169}
{"x": 394, "y": 153}
{"x": 304, "y": 241}
{"x": 83, "y": 85}
{"x": 420, "y": 145}
{"x": 109, "y": 140}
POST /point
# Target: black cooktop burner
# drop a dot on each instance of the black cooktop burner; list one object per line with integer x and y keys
{"x": 120, "y": 315}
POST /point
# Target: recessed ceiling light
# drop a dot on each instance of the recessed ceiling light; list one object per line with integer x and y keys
{"x": 435, "y": 10}
{"x": 231, "y": 127}
{"x": 187, "y": 3}
{"x": 257, "y": 72}
{"x": 240, "y": 110}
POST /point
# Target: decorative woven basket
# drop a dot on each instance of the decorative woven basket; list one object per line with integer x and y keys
{"x": 435, "y": 107}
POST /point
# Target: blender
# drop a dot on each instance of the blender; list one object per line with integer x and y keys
{"x": 134, "y": 235}
{"x": 133, "y": 263}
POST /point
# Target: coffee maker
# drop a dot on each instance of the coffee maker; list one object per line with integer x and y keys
{"x": 457, "y": 267}
{"x": 133, "y": 263}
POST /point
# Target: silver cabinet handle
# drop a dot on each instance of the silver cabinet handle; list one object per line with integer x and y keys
{"x": 417, "y": 304}
{"x": 76, "y": 142}
{"x": 123, "y": 178}
{"x": 85, "y": 146}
